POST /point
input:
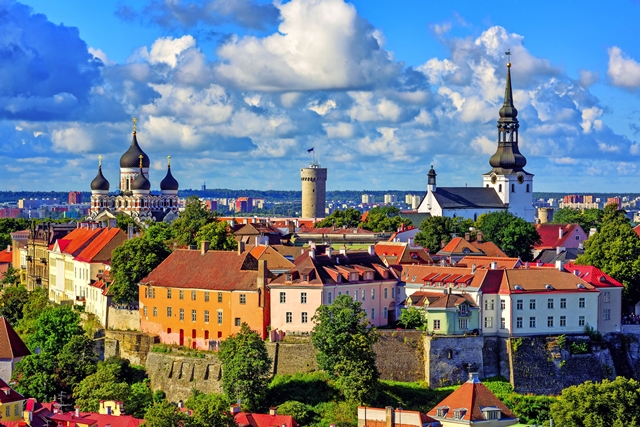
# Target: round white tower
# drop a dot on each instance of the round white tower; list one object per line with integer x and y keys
{"x": 314, "y": 185}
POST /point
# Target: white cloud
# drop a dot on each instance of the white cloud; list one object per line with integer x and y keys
{"x": 322, "y": 108}
{"x": 339, "y": 130}
{"x": 98, "y": 53}
{"x": 440, "y": 29}
{"x": 483, "y": 145}
{"x": 590, "y": 119}
{"x": 588, "y": 78}
{"x": 166, "y": 50}
{"x": 566, "y": 161}
{"x": 623, "y": 71}
{"x": 366, "y": 109}
{"x": 73, "y": 139}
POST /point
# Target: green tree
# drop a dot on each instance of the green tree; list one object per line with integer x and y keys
{"x": 298, "y": 410}
{"x": 111, "y": 381}
{"x": 76, "y": 361}
{"x": 133, "y": 261}
{"x": 165, "y": 414}
{"x": 194, "y": 216}
{"x": 615, "y": 249}
{"x": 433, "y": 231}
{"x": 123, "y": 222}
{"x": 37, "y": 303}
{"x": 246, "y": 367}
{"x": 139, "y": 400}
{"x": 348, "y": 218}
{"x": 384, "y": 218}
{"x": 609, "y": 403}
{"x": 587, "y": 218}
{"x": 35, "y": 376}
{"x": 344, "y": 340}
{"x": 160, "y": 232}
{"x": 53, "y": 329}
{"x": 217, "y": 235}
{"x": 513, "y": 235}
{"x": 11, "y": 277}
{"x": 210, "y": 410}
{"x": 412, "y": 318}
{"x": 12, "y": 302}
{"x": 8, "y": 226}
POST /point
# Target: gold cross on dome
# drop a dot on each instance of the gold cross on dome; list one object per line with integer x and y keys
{"x": 140, "y": 156}
{"x": 508, "y": 53}
{"x": 168, "y": 160}
{"x": 100, "y": 160}
{"x": 135, "y": 124}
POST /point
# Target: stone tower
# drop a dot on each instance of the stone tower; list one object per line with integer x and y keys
{"x": 314, "y": 184}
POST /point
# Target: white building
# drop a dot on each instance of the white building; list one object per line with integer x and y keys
{"x": 390, "y": 198}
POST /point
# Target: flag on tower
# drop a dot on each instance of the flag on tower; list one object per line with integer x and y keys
{"x": 310, "y": 149}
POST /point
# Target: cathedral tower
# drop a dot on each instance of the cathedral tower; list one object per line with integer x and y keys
{"x": 507, "y": 177}
{"x": 314, "y": 185}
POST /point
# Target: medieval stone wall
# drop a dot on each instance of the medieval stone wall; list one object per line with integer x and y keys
{"x": 400, "y": 355}
{"x": 121, "y": 319}
{"x": 134, "y": 346}
{"x": 179, "y": 375}
{"x": 449, "y": 359}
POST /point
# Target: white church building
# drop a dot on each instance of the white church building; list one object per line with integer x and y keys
{"x": 507, "y": 186}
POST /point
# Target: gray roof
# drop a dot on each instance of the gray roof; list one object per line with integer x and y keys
{"x": 468, "y": 198}
{"x": 550, "y": 256}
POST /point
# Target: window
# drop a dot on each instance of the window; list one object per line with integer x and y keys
{"x": 563, "y": 321}
{"x": 373, "y": 294}
{"x": 182, "y": 314}
{"x": 503, "y": 304}
{"x": 581, "y": 321}
{"x": 206, "y": 316}
{"x": 155, "y": 311}
{"x": 219, "y": 317}
{"x": 145, "y": 311}
{"x": 169, "y": 312}
{"x": 488, "y": 322}
{"x": 491, "y": 415}
{"x": 385, "y": 312}
{"x": 532, "y": 322}
{"x": 550, "y": 303}
{"x": 606, "y": 314}
{"x": 304, "y": 317}
{"x": 386, "y": 293}
{"x": 181, "y": 294}
{"x": 463, "y": 323}
{"x": 563, "y": 303}
{"x": 519, "y": 322}
{"x": 532, "y": 304}
{"x": 436, "y": 324}
{"x": 347, "y": 292}
{"x": 289, "y": 317}
{"x": 513, "y": 188}
{"x": 8, "y": 411}
{"x": 607, "y": 297}
{"x": 550, "y": 322}
{"x": 243, "y": 298}
{"x": 193, "y": 295}
{"x": 237, "y": 321}
{"x": 581, "y": 303}
{"x": 503, "y": 323}
{"x": 499, "y": 188}
{"x": 527, "y": 188}
{"x": 364, "y": 294}
{"x": 206, "y": 297}
{"x": 219, "y": 296}
{"x": 519, "y": 304}
{"x": 283, "y": 297}
{"x": 330, "y": 297}
{"x": 303, "y": 298}
{"x": 393, "y": 292}
{"x": 373, "y": 313}
{"x": 16, "y": 410}
{"x": 355, "y": 294}
{"x": 193, "y": 315}
{"x": 168, "y": 293}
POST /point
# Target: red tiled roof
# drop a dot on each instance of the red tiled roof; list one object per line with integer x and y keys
{"x": 401, "y": 253}
{"x": 215, "y": 270}
{"x": 593, "y": 275}
{"x": 490, "y": 249}
{"x": 11, "y": 346}
{"x": 5, "y": 256}
{"x": 99, "y": 242}
{"x": 74, "y": 242}
{"x": 102, "y": 420}
{"x": 245, "y": 419}
{"x": 473, "y": 397}
{"x": 537, "y": 279}
{"x": 485, "y": 262}
{"x": 550, "y": 235}
{"x": 637, "y": 229}
{"x": 7, "y": 394}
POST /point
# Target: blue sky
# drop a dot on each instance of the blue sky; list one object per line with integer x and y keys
{"x": 237, "y": 90}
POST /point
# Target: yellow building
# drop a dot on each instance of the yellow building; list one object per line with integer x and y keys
{"x": 11, "y": 403}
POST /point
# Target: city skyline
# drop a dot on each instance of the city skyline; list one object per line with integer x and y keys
{"x": 237, "y": 92}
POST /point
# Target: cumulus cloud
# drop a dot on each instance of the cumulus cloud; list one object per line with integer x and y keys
{"x": 588, "y": 78}
{"x": 623, "y": 71}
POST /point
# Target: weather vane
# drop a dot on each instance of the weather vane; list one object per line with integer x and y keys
{"x": 140, "y": 156}
{"x": 169, "y": 161}
{"x": 135, "y": 124}
{"x": 508, "y": 53}
{"x": 100, "y": 161}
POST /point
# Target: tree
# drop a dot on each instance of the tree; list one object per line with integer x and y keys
{"x": 384, "y": 218}
{"x": 76, "y": 361}
{"x": 217, "y": 235}
{"x": 164, "y": 414}
{"x": 246, "y": 367}
{"x": 133, "y": 261}
{"x": 123, "y": 222}
{"x": 210, "y": 410}
{"x": 37, "y": 303}
{"x": 348, "y": 218}
{"x": 433, "y": 231}
{"x": 111, "y": 381}
{"x": 412, "y": 318}
{"x": 35, "y": 376}
{"x": 8, "y": 226}
{"x": 513, "y": 235}
{"x": 344, "y": 340}
{"x": 140, "y": 399}
{"x": 53, "y": 329}
{"x": 587, "y": 218}
{"x": 609, "y": 403}
{"x": 12, "y": 302}
{"x": 615, "y": 249}
{"x": 298, "y": 410}
{"x": 11, "y": 277}
{"x": 194, "y": 216}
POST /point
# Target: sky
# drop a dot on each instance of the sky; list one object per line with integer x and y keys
{"x": 237, "y": 91}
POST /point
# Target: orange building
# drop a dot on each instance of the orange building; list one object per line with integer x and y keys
{"x": 199, "y": 297}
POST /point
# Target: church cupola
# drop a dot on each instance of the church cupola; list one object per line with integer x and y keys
{"x": 431, "y": 180}
{"x": 131, "y": 157}
{"x": 507, "y": 158}
{"x": 169, "y": 185}
{"x": 141, "y": 184}
{"x": 100, "y": 185}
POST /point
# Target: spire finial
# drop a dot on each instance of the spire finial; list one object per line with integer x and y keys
{"x": 508, "y": 53}
{"x": 135, "y": 125}
{"x": 169, "y": 161}
{"x": 141, "y": 157}
{"x": 100, "y": 161}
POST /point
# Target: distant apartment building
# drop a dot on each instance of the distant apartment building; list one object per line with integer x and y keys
{"x": 36, "y": 203}
{"x": 615, "y": 201}
{"x": 10, "y": 212}
{"x": 258, "y": 203}
{"x": 368, "y": 199}
{"x": 75, "y": 197}
{"x": 572, "y": 198}
{"x": 244, "y": 204}
{"x": 390, "y": 198}
{"x": 211, "y": 205}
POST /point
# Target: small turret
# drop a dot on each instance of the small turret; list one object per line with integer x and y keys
{"x": 141, "y": 184}
{"x": 431, "y": 180}
{"x": 100, "y": 185}
{"x": 169, "y": 185}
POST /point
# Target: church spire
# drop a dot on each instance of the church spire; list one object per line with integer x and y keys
{"x": 507, "y": 158}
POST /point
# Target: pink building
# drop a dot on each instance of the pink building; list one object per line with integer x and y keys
{"x": 554, "y": 236}
{"x": 320, "y": 275}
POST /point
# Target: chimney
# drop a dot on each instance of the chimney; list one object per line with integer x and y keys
{"x": 240, "y": 248}
{"x": 410, "y": 242}
{"x": 328, "y": 251}
{"x": 559, "y": 250}
{"x": 592, "y": 231}
{"x": 467, "y": 236}
{"x": 235, "y": 409}
{"x": 371, "y": 250}
{"x": 494, "y": 265}
{"x": 560, "y": 232}
{"x": 262, "y": 279}
{"x": 343, "y": 250}
{"x": 273, "y": 410}
{"x": 8, "y": 248}
{"x": 473, "y": 268}
{"x": 312, "y": 253}
{"x": 204, "y": 247}
{"x": 576, "y": 272}
{"x": 77, "y": 414}
{"x": 560, "y": 265}
{"x": 479, "y": 236}
{"x": 442, "y": 244}
{"x": 390, "y": 422}
{"x": 526, "y": 264}
{"x": 130, "y": 232}
{"x": 473, "y": 377}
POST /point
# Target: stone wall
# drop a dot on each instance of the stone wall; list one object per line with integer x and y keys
{"x": 122, "y": 319}
{"x": 400, "y": 355}
{"x": 495, "y": 357}
{"x": 134, "y": 346}
{"x": 290, "y": 358}
{"x": 541, "y": 366}
{"x": 449, "y": 359}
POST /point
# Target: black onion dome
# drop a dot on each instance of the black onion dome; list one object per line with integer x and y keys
{"x": 100, "y": 183}
{"x": 131, "y": 158}
{"x": 141, "y": 182}
{"x": 169, "y": 182}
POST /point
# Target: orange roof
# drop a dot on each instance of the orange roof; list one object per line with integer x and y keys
{"x": 245, "y": 419}
{"x": 401, "y": 253}
{"x": 593, "y": 275}
{"x": 459, "y": 245}
{"x": 74, "y": 242}
{"x": 542, "y": 280}
{"x": 5, "y": 256}
{"x": 637, "y": 229}
{"x": 91, "y": 252}
{"x": 550, "y": 234}
{"x": 486, "y": 261}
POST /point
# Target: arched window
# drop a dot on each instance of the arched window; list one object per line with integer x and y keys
{"x": 487, "y": 185}
{"x": 500, "y": 188}
{"x": 527, "y": 188}
{"x": 475, "y": 215}
{"x": 513, "y": 188}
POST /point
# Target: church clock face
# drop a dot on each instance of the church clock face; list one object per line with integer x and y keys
{"x": 520, "y": 178}
{"x": 494, "y": 179}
